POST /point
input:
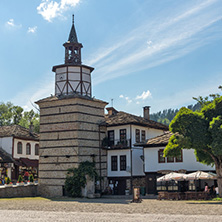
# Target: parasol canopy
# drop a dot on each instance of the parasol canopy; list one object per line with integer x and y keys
{"x": 171, "y": 176}
{"x": 200, "y": 175}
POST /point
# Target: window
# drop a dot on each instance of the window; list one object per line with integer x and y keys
{"x": 36, "y": 149}
{"x": 180, "y": 157}
{"x": 19, "y": 148}
{"x": 122, "y": 135}
{"x": 143, "y": 135}
{"x": 170, "y": 159}
{"x": 123, "y": 162}
{"x": 137, "y": 135}
{"x": 113, "y": 163}
{"x": 28, "y": 149}
{"x": 161, "y": 158}
{"x": 110, "y": 137}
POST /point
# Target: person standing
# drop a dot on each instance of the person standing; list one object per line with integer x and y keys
{"x": 26, "y": 176}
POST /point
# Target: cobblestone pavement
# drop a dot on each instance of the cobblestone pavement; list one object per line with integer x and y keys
{"x": 40, "y": 209}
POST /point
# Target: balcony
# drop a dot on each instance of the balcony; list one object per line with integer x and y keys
{"x": 116, "y": 144}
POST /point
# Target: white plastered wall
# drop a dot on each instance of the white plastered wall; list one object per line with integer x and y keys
{"x": 6, "y": 144}
{"x": 23, "y": 155}
{"x": 189, "y": 162}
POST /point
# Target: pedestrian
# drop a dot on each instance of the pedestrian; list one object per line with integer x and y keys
{"x": 206, "y": 188}
{"x": 26, "y": 176}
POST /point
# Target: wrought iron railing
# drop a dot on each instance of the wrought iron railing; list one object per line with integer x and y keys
{"x": 112, "y": 144}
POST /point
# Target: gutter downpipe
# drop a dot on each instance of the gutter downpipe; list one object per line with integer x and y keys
{"x": 100, "y": 165}
{"x": 131, "y": 158}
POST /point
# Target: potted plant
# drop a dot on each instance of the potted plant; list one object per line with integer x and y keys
{"x": 8, "y": 181}
{"x": 31, "y": 179}
{"x": 20, "y": 180}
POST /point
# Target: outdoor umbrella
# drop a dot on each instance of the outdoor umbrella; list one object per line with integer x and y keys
{"x": 171, "y": 176}
{"x": 200, "y": 175}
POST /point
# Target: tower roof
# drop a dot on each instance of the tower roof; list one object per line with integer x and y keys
{"x": 72, "y": 34}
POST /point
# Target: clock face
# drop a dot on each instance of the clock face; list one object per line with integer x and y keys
{"x": 61, "y": 77}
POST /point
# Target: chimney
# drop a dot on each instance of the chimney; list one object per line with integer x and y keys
{"x": 146, "y": 112}
{"x": 31, "y": 128}
{"x": 111, "y": 111}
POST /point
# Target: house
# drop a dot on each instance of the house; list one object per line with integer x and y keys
{"x": 156, "y": 165}
{"x": 124, "y": 160}
{"x": 22, "y": 146}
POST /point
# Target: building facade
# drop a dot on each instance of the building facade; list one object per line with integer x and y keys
{"x": 124, "y": 160}
{"x": 23, "y": 146}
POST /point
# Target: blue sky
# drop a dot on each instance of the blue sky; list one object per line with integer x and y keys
{"x": 159, "y": 53}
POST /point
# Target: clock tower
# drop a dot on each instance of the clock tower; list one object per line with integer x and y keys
{"x": 70, "y": 125}
{"x": 72, "y": 77}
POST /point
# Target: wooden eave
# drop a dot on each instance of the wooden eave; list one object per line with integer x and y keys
{"x": 65, "y": 65}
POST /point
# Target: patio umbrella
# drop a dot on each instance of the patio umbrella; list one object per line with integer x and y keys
{"x": 171, "y": 176}
{"x": 200, "y": 175}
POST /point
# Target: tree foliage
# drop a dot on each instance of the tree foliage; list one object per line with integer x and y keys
{"x": 76, "y": 178}
{"x": 11, "y": 115}
{"x": 201, "y": 131}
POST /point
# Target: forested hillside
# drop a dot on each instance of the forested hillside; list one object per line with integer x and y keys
{"x": 167, "y": 115}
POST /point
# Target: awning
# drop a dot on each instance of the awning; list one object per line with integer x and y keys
{"x": 29, "y": 163}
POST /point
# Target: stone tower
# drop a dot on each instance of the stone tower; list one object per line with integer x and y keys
{"x": 70, "y": 130}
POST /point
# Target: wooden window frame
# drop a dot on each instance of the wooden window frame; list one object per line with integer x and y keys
{"x": 143, "y": 135}
{"x": 122, "y": 161}
{"x": 114, "y": 163}
{"x": 170, "y": 161}
{"x": 28, "y": 147}
{"x": 111, "y": 142}
{"x": 181, "y": 160}
{"x": 18, "y": 148}
{"x": 36, "y": 149}
{"x": 121, "y": 134}
{"x": 161, "y": 151}
{"x": 137, "y": 135}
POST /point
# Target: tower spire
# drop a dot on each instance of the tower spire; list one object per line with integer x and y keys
{"x": 72, "y": 34}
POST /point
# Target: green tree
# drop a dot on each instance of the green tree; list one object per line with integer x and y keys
{"x": 201, "y": 131}
{"x": 10, "y": 114}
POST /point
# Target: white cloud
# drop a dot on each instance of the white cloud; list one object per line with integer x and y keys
{"x": 144, "y": 95}
{"x": 11, "y": 24}
{"x": 161, "y": 40}
{"x": 126, "y": 98}
{"x": 50, "y": 9}
{"x": 32, "y": 29}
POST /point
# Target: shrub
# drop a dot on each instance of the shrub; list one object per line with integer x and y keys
{"x": 76, "y": 180}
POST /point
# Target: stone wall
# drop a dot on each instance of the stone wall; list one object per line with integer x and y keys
{"x": 70, "y": 133}
{"x": 18, "y": 191}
